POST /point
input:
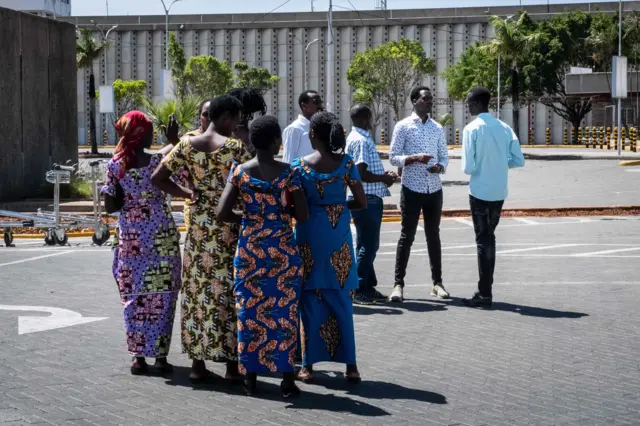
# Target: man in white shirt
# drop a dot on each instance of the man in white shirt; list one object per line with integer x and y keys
{"x": 295, "y": 138}
{"x": 419, "y": 146}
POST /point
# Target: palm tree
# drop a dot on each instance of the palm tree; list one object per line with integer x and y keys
{"x": 186, "y": 112}
{"x": 513, "y": 41}
{"x": 632, "y": 37}
{"x": 88, "y": 50}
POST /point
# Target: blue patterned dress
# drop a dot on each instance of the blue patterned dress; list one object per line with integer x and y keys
{"x": 268, "y": 275}
{"x": 326, "y": 246}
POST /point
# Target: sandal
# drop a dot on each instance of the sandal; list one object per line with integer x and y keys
{"x": 353, "y": 376}
{"x": 305, "y": 375}
{"x": 201, "y": 379}
{"x": 289, "y": 390}
{"x": 250, "y": 384}
{"x": 139, "y": 367}
{"x": 163, "y": 367}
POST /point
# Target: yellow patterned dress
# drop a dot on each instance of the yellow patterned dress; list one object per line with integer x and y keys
{"x": 185, "y": 181}
{"x": 208, "y": 317}
{"x": 326, "y": 248}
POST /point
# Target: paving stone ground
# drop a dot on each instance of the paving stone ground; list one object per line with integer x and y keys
{"x": 560, "y": 348}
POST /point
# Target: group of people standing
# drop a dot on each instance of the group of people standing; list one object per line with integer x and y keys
{"x": 269, "y": 272}
{"x": 254, "y": 292}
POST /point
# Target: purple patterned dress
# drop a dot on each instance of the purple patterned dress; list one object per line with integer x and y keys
{"x": 146, "y": 263}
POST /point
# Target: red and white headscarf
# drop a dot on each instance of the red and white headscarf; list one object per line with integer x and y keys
{"x": 133, "y": 127}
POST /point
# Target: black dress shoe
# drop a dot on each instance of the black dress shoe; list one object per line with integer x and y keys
{"x": 479, "y": 301}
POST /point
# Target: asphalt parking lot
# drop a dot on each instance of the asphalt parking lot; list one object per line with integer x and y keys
{"x": 560, "y": 346}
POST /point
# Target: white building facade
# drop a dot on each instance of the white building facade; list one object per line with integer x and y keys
{"x": 48, "y": 8}
{"x": 277, "y": 42}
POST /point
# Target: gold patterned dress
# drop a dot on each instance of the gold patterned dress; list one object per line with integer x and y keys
{"x": 326, "y": 247}
{"x": 208, "y": 316}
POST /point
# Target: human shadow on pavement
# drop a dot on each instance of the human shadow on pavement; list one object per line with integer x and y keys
{"x": 378, "y": 309}
{"x": 269, "y": 391}
{"x": 373, "y": 389}
{"x": 531, "y": 311}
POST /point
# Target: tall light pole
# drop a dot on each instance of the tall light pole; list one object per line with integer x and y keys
{"x": 305, "y": 80}
{"x": 625, "y": 75}
{"x": 166, "y": 30}
{"x": 105, "y": 39}
{"x": 499, "y": 90}
{"x": 330, "y": 59}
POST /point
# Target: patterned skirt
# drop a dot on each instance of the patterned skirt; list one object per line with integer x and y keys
{"x": 327, "y": 331}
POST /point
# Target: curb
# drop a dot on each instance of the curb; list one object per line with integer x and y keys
{"x": 394, "y": 216}
{"x": 630, "y": 163}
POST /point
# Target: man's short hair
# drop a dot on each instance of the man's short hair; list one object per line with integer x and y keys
{"x": 359, "y": 112}
{"x": 481, "y": 95}
{"x": 305, "y": 97}
{"x": 415, "y": 92}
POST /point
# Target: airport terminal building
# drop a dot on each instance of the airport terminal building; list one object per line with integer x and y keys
{"x": 277, "y": 42}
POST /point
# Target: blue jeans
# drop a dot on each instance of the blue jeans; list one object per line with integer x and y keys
{"x": 368, "y": 223}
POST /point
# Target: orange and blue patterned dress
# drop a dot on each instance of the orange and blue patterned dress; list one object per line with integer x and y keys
{"x": 268, "y": 275}
{"x": 326, "y": 248}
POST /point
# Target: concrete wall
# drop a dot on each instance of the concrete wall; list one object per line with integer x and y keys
{"x": 39, "y": 114}
{"x": 277, "y": 41}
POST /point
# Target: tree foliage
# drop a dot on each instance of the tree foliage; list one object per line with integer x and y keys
{"x": 208, "y": 77}
{"x": 515, "y": 39}
{"x": 88, "y": 50}
{"x": 185, "y": 110}
{"x": 552, "y": 46}
{"x": 254, "y": 77}
{"x": 178, "y": 63}
{"x": 386, "y": 74}
{"x": 129, "y": 94}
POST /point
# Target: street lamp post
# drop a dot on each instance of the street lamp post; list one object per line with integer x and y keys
{"x": 304, "y": 69}
{"x": 305, "y": 60}
{"x": 105, "y": 39}
{"x": 166, "y": 31}
{"x": 625, "y": 76}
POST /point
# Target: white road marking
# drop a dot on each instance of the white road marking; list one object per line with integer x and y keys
{"x": 464, "y": 221}
{"x": 537, "y": 248}
{"x": 598, "y": 253}
{"x": 527, "y": 221}
{"x": 15, "y": 262}
{"x": 59, "y": 318}
{"x": 526, "y": 255}
{"x": 633, "y": 170}
{"x": 424, "y": 250}
{"x": 541, "y": 283}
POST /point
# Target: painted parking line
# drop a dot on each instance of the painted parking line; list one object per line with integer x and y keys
{"x": 527, "y": 221}
{"x": 464, "y": 221}
{"x": 605, "y": 252}
{"x": 29, "y": 259}
{"x": 539, "y": 248}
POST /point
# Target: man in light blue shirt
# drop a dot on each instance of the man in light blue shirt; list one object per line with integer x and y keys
{"x": 491, "y": 148}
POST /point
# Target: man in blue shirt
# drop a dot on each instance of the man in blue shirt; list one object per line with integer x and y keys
{"x": 491, "y": 148}
{"x": 376, "y": 183}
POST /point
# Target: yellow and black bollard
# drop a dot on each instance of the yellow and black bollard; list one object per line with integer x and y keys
{"x": 624, "y": 138}
{"x": 382, "y": 136}
{"x": 608, "y": 138}
{"x": 104, "y": 138}
{"x": 547, "y": 136}
{"x": 457, "y": 136}
{"x": 583, "y": 139}
{"x": 594, "y": 136}
{"x": 155, "y": 138}
{"x": 564, "y": 137}
{"x": 573, "y": 135}
{"x": 614, "y": 139}
{"x": 530, "y": 136}
{"x": 579, "y": 140}
{"x": 633, "y": 138}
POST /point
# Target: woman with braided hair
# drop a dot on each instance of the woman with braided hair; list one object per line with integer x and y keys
{"x": 146, "y": 264}
{"x": 326, "y": 248}
{"x": 252, "y": 103}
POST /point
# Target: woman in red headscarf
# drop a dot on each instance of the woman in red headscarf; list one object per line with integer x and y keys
{"x": 146, "y": 264}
